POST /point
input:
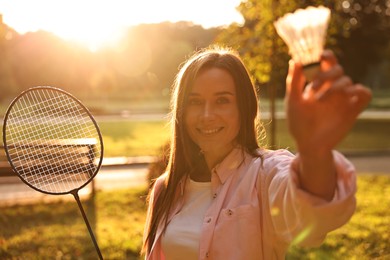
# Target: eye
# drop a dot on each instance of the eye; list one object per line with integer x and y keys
{"x": 194, "y": 101}
{"x": 223, "y": 100}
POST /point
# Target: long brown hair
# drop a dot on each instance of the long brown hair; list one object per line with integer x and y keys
{"x": 185, "y": 155}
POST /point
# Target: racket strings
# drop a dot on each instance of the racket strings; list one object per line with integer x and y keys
{"x": 62, "y": 113}
{"x": 60, "y": 174}
{"x": 53, "y": 143}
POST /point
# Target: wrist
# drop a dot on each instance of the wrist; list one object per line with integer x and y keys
{"x": 317, "y": 173}
{"x": 315, "y": 158}
{"x": 310, "y": 152}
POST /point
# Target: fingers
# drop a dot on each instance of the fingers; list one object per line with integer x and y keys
{"x": 357, "y": 99}
{"x": 332, "y": 73}
{"x": 360, "y": 97}
{"x": 295, "y": 81}
{"x": 343, "y": 83}
{"x": 328, "y": 59}
{"x": 331, "y": 81}
{"x": 355, "y": 96}
{"x": 330, "y": 69}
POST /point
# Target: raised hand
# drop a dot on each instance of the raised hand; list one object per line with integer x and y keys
{"x": 321, "y": 115}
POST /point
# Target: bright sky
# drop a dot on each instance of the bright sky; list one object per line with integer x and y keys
{"x": 98, "y": 22}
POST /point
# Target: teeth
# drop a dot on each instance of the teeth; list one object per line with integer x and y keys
{"x": 209, "y": 131}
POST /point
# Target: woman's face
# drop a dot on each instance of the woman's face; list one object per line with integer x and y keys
{"x": 212, "y": 116}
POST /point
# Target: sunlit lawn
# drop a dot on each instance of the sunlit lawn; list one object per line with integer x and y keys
{"x": 367, "y": 235}
{"x": 134, "y": 138}
{"x": 57, "y": 231}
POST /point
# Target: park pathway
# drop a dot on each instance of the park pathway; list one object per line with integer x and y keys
{"x": 375, "y": 163}
{"x": 13, "y": 191}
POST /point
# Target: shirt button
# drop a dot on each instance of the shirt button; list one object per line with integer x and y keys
{"x": 230, "y": 212}
{"x": 207, "y": 255}
{"x": 214, "y": 195}
{"x": 208, "y": 220}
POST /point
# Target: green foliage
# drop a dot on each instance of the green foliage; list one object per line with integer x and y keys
{"x": 258, "y": 43}
{"x": 142, "y": 65}
{"x": 358, "y": 33}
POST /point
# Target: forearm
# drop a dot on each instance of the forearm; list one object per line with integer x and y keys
{"x": 317, "y": 174}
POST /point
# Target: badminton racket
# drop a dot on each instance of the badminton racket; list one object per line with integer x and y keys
{"x": 53, "y": 143}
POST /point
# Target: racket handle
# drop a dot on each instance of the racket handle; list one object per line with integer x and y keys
{"x": 76, "y": 196}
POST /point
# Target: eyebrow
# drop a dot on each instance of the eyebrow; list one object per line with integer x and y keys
{"x": 221, "y": 93}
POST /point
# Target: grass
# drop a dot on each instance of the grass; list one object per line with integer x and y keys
{"x": 57, "y": 231}
{"x": 367, "y": 234}
{"x": 134, "y": 138}
{"x": 367, "y": 135}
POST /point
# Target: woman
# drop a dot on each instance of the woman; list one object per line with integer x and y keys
{"x": 223, "y": 196}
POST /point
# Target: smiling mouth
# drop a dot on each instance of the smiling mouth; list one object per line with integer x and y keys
{"x": 210, "y": 131}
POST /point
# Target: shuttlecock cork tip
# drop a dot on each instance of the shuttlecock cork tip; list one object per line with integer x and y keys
{"x": 311, "y": 70}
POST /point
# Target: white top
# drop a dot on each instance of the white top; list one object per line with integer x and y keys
{"x": 181, "y": 238}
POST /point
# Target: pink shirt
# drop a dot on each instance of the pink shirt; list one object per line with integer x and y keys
{"x": 258, "y": 209}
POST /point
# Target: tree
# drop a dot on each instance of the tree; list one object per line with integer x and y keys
{"x": 264, "y": 53}
{"x": 7, "y": 81}
{"x": 359, "y": 33}
{"x": 142, "y": 66}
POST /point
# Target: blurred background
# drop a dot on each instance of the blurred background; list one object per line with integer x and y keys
{"x": 120, "y": 59}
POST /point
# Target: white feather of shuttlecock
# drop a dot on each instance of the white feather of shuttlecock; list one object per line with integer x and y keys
{"x": 304, "y": 32}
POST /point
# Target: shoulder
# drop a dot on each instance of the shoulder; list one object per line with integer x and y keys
{"x": 161, "y": 179}
{"x": 267, "y": 153}
{"x": 159, "y": 184}
{"x": 272, "y": 163}
{"x": 272, "y": 158}
{"x": 265, "y": 160}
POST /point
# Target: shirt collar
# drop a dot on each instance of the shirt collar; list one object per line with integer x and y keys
{"x": 230, "y": 164}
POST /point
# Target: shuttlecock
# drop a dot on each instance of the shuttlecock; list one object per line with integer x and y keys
{"x": 304, "y": 32}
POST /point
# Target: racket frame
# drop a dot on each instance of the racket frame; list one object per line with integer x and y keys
{"x": 14, "y": 169}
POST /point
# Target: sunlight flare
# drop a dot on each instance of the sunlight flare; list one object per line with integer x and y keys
{"x": 99, "y": 24}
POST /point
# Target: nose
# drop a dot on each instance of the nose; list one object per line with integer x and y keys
{"x": 208, "y": 112}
